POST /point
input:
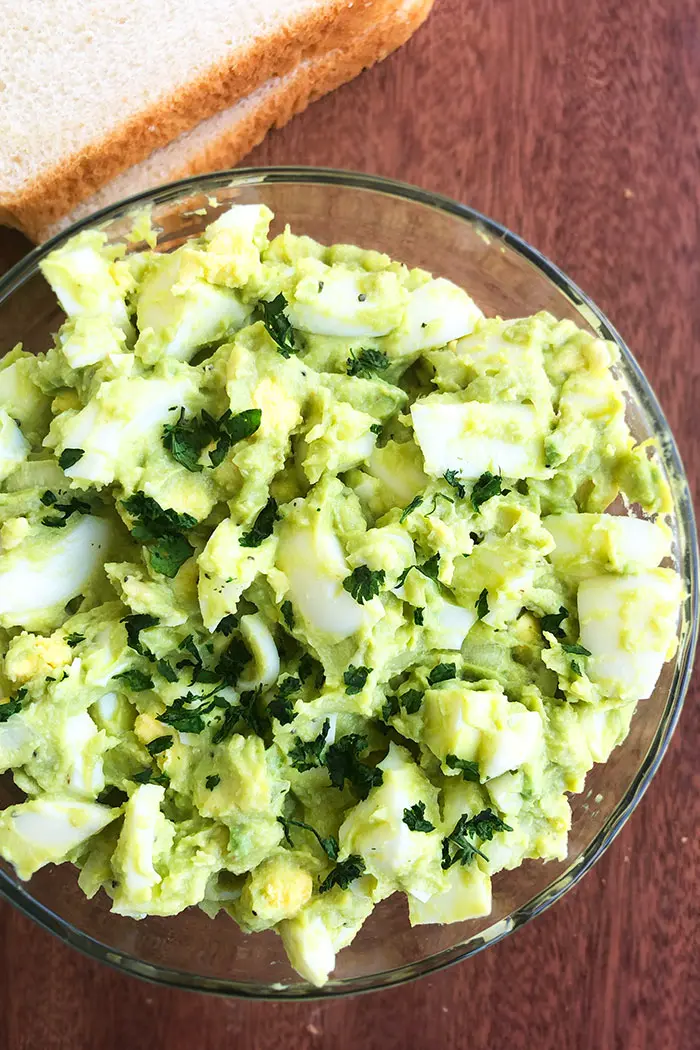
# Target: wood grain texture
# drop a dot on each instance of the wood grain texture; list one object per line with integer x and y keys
{"x": 577, "y": 125}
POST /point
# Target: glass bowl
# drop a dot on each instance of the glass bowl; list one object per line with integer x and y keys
{"x": 505, "y": 276}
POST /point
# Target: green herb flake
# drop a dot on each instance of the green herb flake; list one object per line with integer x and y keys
{"x": 185, "y": 439}
{"x": 161, "y": 531}
{"x": 227, "y": 626}
{"x": 414, "y": 818}
{"x": 342, "y": 761}
{"x": 429, "y": 568}
{"x": 411, "y": 700}
{"x": 575, "y": 650}
{"x": 12, "y": 706}
{"x": 390, "y": 708}
{"x": 364, "y": 583}
{"x": 74, "y": 639}
{"x": 376, "y": 428}
{"x": 169, "y": 673}
{"x": 112, "y": 796}
{"x": 451, "y": 478}
{"x": 457, "y": 847}
{"x": 278, "y": 325}
{"x": 307, "y": 754}
{"x": 442, "y": 673}
{"x": 343, "y": 874}
{"x": 287, "y": 610}
{"x": 69, "y": 457}
{"x": 263, "y": 526}
{"x": 413, "y": 505}
{"x": 329, "y": 845}
{"x": 551, "y": 622}
{"x": 73, "y": 506}
{"x": 355, "y": 679}
{"x": 482, "y": 604}
{"x": 137, "y": 681}
{"x": 469, "y": 770}
{"x": 418, "y": 616}
{"x": 136, "y": 623}
{"x": 367, "y": 363}
{"x": 48, "y": 498}
{"x": 212, "y": 781}
{"x": 485, "y": 487}
{"x": 160, "y": 744}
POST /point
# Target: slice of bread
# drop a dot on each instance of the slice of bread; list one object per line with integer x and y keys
{"x": 222, "y": 140}
{"x": 89, "y": 89}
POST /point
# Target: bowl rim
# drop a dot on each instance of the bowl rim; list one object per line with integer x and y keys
{"x": 688, "y": 566}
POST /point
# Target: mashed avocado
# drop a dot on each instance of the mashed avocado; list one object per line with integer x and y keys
{"x": 309, "y": 589}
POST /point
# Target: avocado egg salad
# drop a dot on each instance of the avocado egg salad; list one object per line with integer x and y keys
{"x": 309, "y": 589}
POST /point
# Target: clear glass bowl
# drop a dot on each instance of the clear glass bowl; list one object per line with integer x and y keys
{"x": 505, "y": 276}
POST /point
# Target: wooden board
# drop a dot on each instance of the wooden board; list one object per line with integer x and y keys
{"x": 577, "y": 125}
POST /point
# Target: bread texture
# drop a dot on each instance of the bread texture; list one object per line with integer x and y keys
{"x": 90, "y": 89}
{"x": 222, "y": 140}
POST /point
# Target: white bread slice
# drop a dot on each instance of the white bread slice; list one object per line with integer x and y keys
{"x": 222, "y": 140}
{"x": 88, "y": 89}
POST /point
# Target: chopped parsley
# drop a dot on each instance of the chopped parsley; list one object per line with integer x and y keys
{"x": 411, "y": 700}
{"x": 376, "y": 428}
{"x": 307, "y": 754}
{"x": 278, "y": 325}
{"x": 169, "y": 673}
{"x": 162, "y": 532}
{"x": 287, "y": 610}
{"x": 413, "y": 505}
{"x": 485, "y": 487}
{"x": 186, "y": 713}
{"x": 161, "y": 743}
{"x": 186, "y": 439}
{"x": 343, "y": 874}
{"x": 390, "y": 708}
{"x": 147, "y": 776}
{"x": 457, "y": 847}
{"x": 355, "y": 679}
{"x": 137, "y": 681}
{"x": 414, "y": 818}
{"x": 231, "y": 429}
{"x": 135, "y": 623}
{"x": 342, "y": 761}
{"x": 364, "y": 583}
{"x": 308, "y": 666}
{"x": 429, "y": 568}
{"x": 418, "y": 616}
{"x": 12, "y": 706}
{"x": 232, "y": 662}
{"x": 282, "y": 707}
{"x": 328, "y": 845}
{"x": 69, "y": 457}
{"x": 112, "y": 796}
{"x": 263, "y": 526}
{"x": 552, "y": 622}
{"x": 482, "y": 604}
{"x": 367, "y": 363}
{"x": 48, "y": 498}
{"x": 74, "y": 639}
{"x": 442, "y": 673}
{"x": 228, "y": 625}
{"x": 575, "y": 650}
{"x": 576, "y": 668}
{"x": 469, "y": 770}
{"x": 451, "y": 478}
{"x": 73, "y": 506}
{"x": 212, "y": 781}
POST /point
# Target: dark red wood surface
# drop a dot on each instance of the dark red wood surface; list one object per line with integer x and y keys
{"x": 577, "y": 125}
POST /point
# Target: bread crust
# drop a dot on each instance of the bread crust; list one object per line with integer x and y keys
{"x": 59, "y": 188}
